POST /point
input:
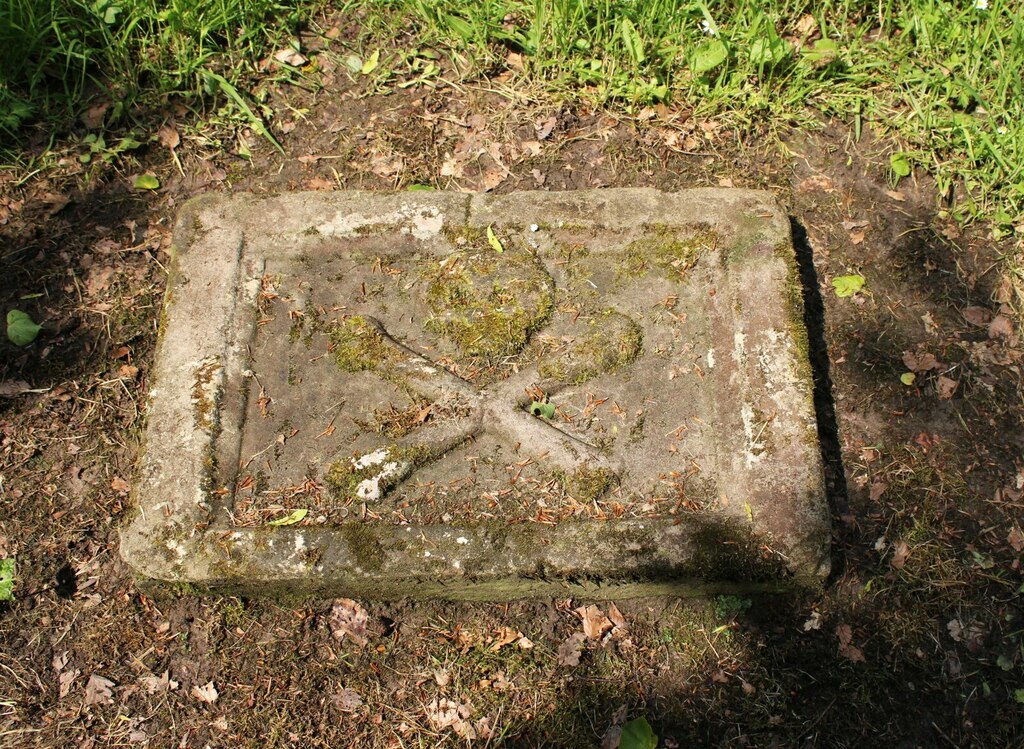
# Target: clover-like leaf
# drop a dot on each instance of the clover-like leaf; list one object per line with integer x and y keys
{"x": 908, "y": 378}
{"x": 291, "y": 519}
{"x": 848, "y": 285}
{"x": 900, "y": 164}
{"x": 21, "y": 330}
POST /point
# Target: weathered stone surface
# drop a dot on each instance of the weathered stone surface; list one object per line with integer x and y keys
{"x": 601, "y": 392}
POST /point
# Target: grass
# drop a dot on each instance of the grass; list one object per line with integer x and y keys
{"x": 940, "y": 79}
{"x": 56, "y": 56}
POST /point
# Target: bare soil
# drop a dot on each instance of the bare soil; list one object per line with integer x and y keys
{"x": 916, "y": 641}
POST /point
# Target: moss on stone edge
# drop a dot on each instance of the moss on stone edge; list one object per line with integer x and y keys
{"x": 664, "y": 248}
{"x": 487, "y": 303}
{"x": 357, "y": 345}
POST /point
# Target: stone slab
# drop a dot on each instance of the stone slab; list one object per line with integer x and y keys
{"x": 599, "y": 393}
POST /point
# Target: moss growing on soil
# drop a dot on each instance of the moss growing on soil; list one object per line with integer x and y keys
{"x": 665, "y": 249}
{"x": 357, "y": 345}
{"x": 614, "y": 342}
{"x": 485, "y": 302}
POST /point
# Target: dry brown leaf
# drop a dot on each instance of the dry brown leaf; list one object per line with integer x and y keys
{"x": 65, "y": 681}
{"x": 290, "y": 56}
{"x": 118, "y": 484}
{"x": 977, "y": 315}
{"x": 816, "y": 182}
{"x": 595, "y": 623}
{"x": 899, "y": 556}
{"x": 168, "y": 137}
{"x": 347, "y": 700}
{"x": 543, "y": 127}
{"x": 1016, "y": 539}
{"x": 896, "y": 195}
{"x": 616, "y": 616}
{"x": 207, "y": 693}
{"x": 569, "y": 651}
{"x": 1000, "y": 327}
{"x": 157, "y": 684}
{"x": 922, "y": 362}
{"x": 349, "y": 619}
{"x": 946, "y": 386}
{"x": 846, "y": 648}
{"x": 98, "y": 691}
{"x": 504, "y": 636}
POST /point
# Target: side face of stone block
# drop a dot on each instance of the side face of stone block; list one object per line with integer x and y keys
{"x": 602, "y": 392}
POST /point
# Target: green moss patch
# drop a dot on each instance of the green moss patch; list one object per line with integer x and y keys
{"x": 487, "y": 303}
{"x": 357, "y": 345}
{"x": 670, "y": 251}
{"x": 612, "y": 342}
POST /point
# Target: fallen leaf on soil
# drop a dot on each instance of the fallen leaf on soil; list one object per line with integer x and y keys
{"x": 319, "y": 183}
{"x": 11, "y": 388}
{"x": 748, "y": 688}
{"x": 846, "y": 286}
{"x": 118, "y": 484}
{"x": 157, "y": 684}
{"x": 347, "y": 700}
{"x": 813, "y": 622}
{"x": 899, "y": 556}
{"x": 1016, "y": 539}
{"x": 348, "y": 618}
{"x": 977, "y": 315}
{"x": 1000, "y": 327}
{"x": 221, "y": 724}
{"x": 817, "y": 182}
{"x": 878, "y": 488}
{"x": 595, "y": 623}
{"x": 955, "y": 629}
{"x": 94, "y": 116}
{"x": 168, "y": 137}
{"x": 846, "y": 649}
{"x": 65, "y": 681}
{"x": 896, "y": 195}
{"x": 505, "y": 636}
{"x": 922, "y": 362}
{"x": 616, "y": 616}
{"x": 543, "y": 127}
{"x": 98, "y": 690}
{"x": 569, "y": 651}
{"x": 524, "y": 643}
{"x": 290, "y": 56}
{"x": 206, "y": 693}
{"x": 946, "y": 387}
{"x": 445, "y": 713}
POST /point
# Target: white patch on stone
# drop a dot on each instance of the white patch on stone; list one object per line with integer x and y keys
{"x": 426, "y": 554}
{"x": 177, "y": 547}
{"x": 300, "y": 544}
{"x": 462, "y": 540}
{"x": 711, "y": 358}
{"x": 370, "y": 459}
{"x": 457, "y": 564}
{"x": 370, "y": 488}
{"x": 422, "y": 223}
{"x": 747, "y": 414}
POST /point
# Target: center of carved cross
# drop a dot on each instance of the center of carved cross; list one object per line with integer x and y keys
{"x": 499, "y": 409}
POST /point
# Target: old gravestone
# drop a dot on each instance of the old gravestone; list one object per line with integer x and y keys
{"x": 603, "y": 393}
